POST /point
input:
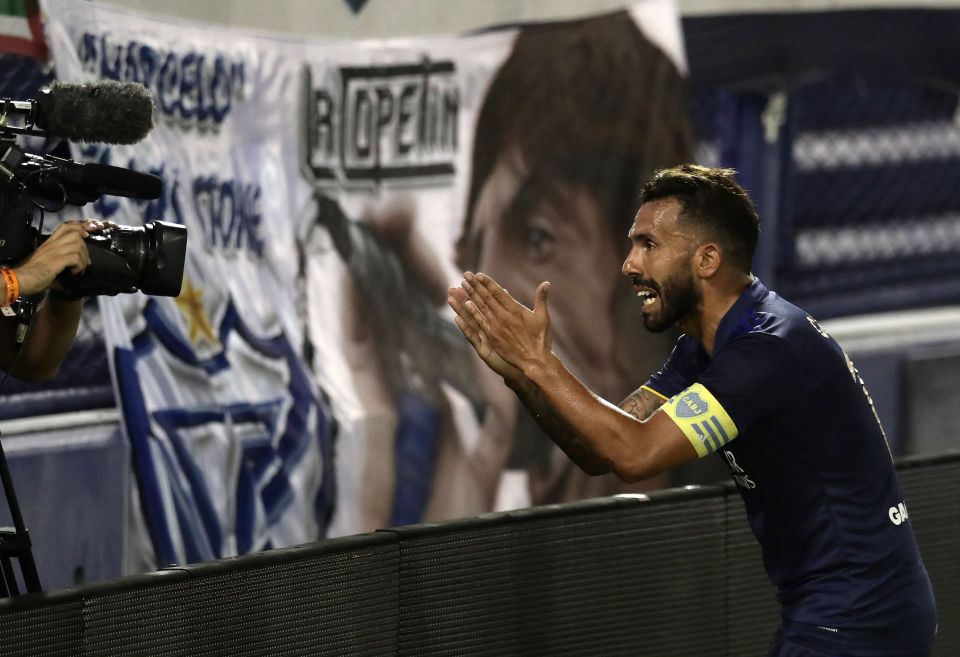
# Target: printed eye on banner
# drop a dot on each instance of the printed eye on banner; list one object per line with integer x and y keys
{"x": 381, "y": 123}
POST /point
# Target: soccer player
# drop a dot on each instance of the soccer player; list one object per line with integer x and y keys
{"x": 755, "y": 379}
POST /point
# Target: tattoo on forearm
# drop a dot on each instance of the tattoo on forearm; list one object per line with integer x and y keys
{"x": 641, "y": 403}
{"x": 560, "y": 431}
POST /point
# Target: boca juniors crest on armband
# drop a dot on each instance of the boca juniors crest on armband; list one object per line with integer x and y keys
{"x": 701, "y": 418}
{"x": 691, "y": 405}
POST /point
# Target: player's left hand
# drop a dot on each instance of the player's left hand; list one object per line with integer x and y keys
{"x": 519, "y": 335}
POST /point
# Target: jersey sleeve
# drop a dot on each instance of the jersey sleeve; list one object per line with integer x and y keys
{"x": 751, "y": 378}
{"x": 679, "y": 371}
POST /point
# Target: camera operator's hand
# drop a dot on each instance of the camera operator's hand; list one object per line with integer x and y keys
{"x": 64, "y": 249}
{"x": 55, "y": 322}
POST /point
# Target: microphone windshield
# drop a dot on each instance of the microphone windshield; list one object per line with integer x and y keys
{"x": 107, "y": 111}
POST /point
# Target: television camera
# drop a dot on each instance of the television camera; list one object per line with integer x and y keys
{"x": 123, "y": 259}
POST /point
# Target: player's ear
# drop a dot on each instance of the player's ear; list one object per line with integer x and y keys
{"x": 707, "y": 259}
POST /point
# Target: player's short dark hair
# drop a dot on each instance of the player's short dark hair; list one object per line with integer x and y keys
{"x": 712, "y": 200}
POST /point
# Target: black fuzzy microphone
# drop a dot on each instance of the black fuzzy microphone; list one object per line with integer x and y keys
{"x": 107, "y": 111}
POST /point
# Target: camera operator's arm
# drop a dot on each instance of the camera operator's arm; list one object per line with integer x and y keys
{"x": 55, "y": 323}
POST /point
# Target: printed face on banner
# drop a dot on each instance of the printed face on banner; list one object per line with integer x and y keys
{"x": 567, "y": 133}
{"x": 523, "y": 237}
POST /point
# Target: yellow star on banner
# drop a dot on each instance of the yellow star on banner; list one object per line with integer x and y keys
{"x": 190, "y": 303}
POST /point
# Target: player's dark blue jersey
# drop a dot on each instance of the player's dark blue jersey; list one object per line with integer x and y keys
{"x": 788, "y": 412}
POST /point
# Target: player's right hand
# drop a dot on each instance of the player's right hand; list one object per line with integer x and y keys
{"x": 457, "y": 299}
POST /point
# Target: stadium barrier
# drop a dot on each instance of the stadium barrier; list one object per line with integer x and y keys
{"x": 675, "y": 572}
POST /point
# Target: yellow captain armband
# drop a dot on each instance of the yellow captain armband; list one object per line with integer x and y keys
{"x": 701, "y": 418}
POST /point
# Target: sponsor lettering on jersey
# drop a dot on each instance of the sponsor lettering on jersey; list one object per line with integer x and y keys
{"x": 898, "y": 514}
{"x": 740, "y": 475}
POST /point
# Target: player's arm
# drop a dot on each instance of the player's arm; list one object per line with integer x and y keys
{"x": 561, "y": 431}
{"x": 598, "y": 436}
{"x": 640, "y": 404}
{"x": 620, "y": 442}
{"x": 554, "y": 425}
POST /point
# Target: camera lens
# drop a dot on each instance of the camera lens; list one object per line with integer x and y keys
{"x": 131, "y": 245}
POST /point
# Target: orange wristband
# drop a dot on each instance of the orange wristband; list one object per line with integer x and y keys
{"x": 13, "y": 285}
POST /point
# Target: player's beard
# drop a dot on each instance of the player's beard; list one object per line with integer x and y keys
{"x": 678, "y": 297}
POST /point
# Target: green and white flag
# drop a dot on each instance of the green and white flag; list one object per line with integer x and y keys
{"x": 20, "y": 30}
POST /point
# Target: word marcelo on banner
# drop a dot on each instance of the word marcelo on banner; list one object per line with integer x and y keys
{"x": 190, "y": 87}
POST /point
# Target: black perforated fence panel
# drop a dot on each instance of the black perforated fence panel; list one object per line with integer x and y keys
{"x": 677, "y": 576}
{"x": 343, "y": 603}
{"x": 333, "y": 598}
{"x": 607, "y": 579}
{"x": 52, "y": 630}
{"x": 751, "y": 611}
{"x": 931, "y": 491}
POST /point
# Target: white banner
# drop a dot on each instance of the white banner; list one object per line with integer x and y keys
{"x": 231, "y": 439}
{"x": 308, "y": 380}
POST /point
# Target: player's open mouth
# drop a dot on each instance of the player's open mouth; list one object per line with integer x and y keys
{"x": 647, "y": 296}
